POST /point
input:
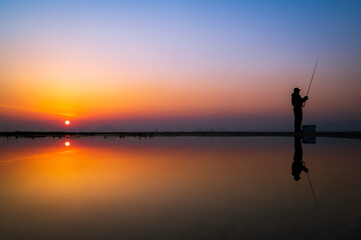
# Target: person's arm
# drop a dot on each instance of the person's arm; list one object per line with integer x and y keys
{"x": 305, "y": 99}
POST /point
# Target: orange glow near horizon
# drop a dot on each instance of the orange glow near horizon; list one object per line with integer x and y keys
{"x": 103, "y": 93}
{"x": 146, "y": 95}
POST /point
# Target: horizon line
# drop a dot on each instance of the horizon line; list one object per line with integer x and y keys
{"x": 150, "y": 134}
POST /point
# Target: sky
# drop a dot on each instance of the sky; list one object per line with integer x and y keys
{"x": 178, "y": 65}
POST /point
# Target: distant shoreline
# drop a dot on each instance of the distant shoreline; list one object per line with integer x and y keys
{"x": 28, "y": 134}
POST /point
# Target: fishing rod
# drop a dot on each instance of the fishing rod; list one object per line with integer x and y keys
{"x": 313, "y": 192}
{"x": 313, "y": 74}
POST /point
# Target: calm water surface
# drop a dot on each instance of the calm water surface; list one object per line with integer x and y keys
{"x": 180, "y": 188}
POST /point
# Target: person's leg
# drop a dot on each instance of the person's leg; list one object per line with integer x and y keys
{"x": 298, "y": 119}
{"x": 295, "y": 121}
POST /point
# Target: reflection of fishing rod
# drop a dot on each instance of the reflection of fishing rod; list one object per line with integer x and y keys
{"x": 313, "y": 192}
{"x": 313, "y": 74}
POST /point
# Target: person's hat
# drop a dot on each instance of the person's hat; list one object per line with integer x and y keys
{"x": 296, "y": 89}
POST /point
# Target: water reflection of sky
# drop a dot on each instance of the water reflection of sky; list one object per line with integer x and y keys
{"x": 178, "y": 188}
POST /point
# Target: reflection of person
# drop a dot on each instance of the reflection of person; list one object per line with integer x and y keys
{"x": 298, "y": 165}
{"x": 297, "y": 102}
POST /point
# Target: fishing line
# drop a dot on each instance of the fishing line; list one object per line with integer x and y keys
{"x": 313, "y": 74}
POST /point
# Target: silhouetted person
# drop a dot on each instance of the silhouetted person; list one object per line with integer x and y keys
{"x": 298, "y": 165}
{"x": 297, "y": 102}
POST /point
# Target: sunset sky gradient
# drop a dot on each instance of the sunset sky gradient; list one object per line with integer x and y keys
{"x": 178, "y": 65}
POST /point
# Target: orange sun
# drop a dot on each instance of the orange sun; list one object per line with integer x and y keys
{"x": 67, "y": 144}
{"x": 67, "y": 122}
